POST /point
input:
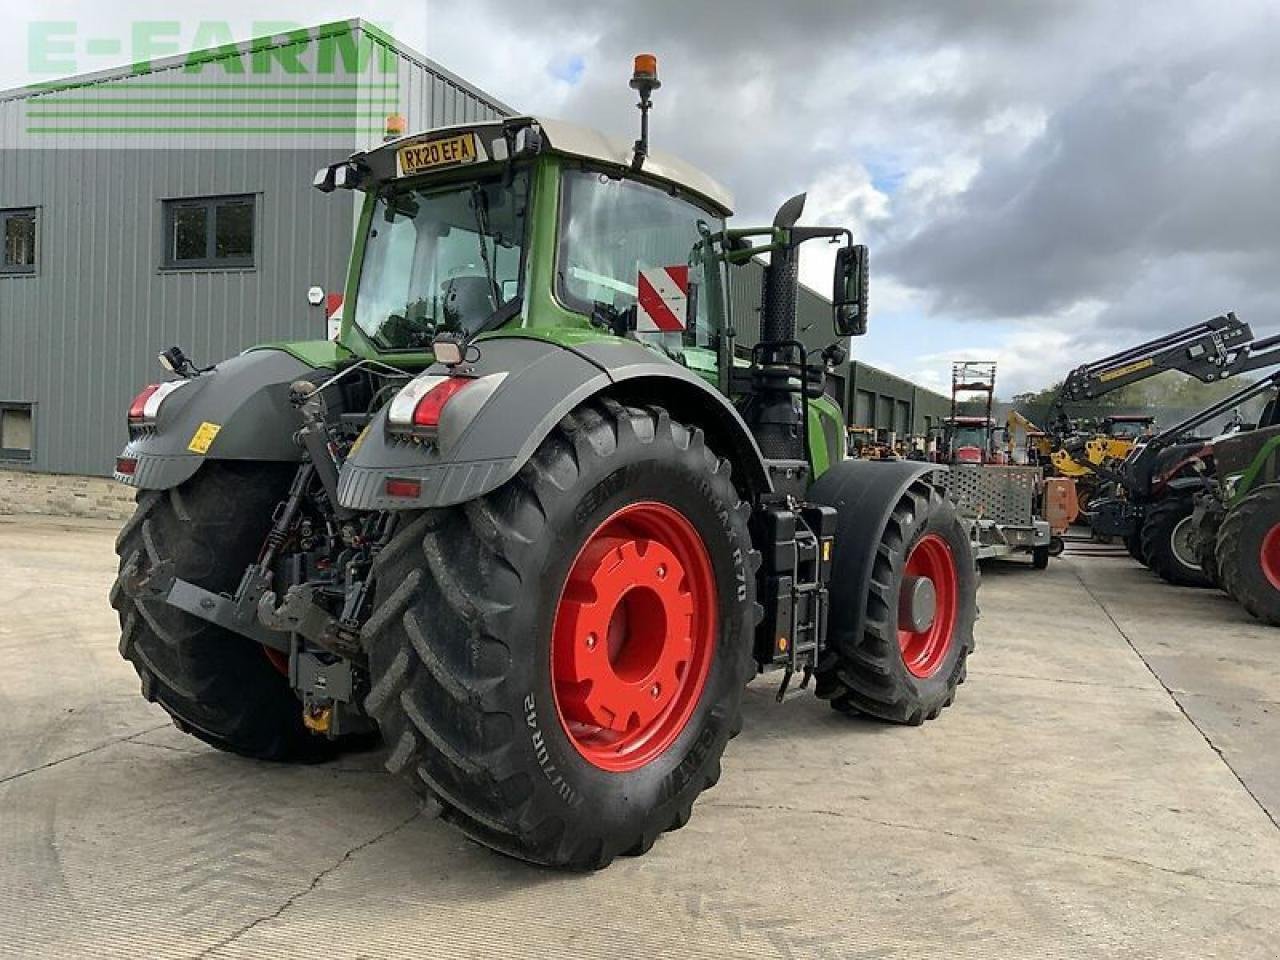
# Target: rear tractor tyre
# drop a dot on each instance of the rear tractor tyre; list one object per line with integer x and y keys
{"x": 1133, "y": 543}
{"x": 899, "y": 669}
{"x": 558, "y": 665}
{"x": 1168, "y": 543}
{"x": 217, "y": 686}
{"x": 1206, "y": 544}
{"x": 1249, "y": 552}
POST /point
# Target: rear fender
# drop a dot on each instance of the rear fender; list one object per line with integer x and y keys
{"x": 246, "y": 398}
{"x": 864, "y": 494}
{"x": 487, "y": 433}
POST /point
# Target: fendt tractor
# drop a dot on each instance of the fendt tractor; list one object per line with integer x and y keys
{"x": 536, "y": 518}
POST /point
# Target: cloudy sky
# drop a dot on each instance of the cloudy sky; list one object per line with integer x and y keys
{"x": 1039, "y": 182}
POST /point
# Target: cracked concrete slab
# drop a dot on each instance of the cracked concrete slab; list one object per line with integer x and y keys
{"x": 1085, "y": 796}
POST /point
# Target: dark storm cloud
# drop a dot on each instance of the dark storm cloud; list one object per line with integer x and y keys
{"x": 1153, "y": 192}
{"x": 1101, "y": 169}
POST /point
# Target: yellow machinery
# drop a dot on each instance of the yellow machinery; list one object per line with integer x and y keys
{"x": 1026, "y": 442}
{"x": 1114, "y": 441}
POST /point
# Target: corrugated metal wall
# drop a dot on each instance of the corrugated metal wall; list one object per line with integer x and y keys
{"x": 80, "y": 337}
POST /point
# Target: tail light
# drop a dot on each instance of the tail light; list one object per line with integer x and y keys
{"x": 146, "y": 405}
{"x": 418, "y": 407}
{"x": 138, "y": 409}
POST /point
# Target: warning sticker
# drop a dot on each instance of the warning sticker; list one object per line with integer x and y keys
{"x": 662, "y": 295}
{"x": 202, "y": 439}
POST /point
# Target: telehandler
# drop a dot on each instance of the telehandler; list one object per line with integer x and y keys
{"x": 528, "y": 518}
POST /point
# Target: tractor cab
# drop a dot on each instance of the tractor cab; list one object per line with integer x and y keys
{"x": 1131, "y": 427}
{"x": 969, "y": 440}
{"x": 541, "y": 229}
{"x": 529, "y": 224}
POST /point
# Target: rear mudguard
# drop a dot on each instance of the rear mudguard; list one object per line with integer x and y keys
{"x": 487, "y": 433}
{"x": 246, "y": 398}
{"x": 864, "y": 494}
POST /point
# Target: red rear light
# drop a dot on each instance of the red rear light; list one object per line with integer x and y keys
{"x": 400, "y": 487}
{"x": 126, "y": 466}
{"x": 427, "y": 412}
{"x": 137, "y": 409}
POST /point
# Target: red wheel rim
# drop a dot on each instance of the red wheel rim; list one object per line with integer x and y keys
{"x": 924, "y": 650}
{"x": 633, "y": 636}
{"x": 1270, "y": 558}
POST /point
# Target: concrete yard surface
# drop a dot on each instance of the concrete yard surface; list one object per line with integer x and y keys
{"x": 1106, "y": 785}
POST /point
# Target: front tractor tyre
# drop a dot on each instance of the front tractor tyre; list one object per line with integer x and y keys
{"x": 904, "y": 663}
{"x": 216, "y": 685}
{"x": 558, "y": 665}
{"x": 1169, "y": 543}
{"x": 1248, "y": 553}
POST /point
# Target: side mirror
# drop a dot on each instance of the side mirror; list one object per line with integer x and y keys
{"x": 849, "y": 297}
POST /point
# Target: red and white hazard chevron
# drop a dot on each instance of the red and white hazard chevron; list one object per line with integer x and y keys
{"x": 662, "y": 300}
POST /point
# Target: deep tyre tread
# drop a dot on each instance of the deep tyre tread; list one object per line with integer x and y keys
{"x": 459, "y": 658}
{"x": 866, "y": 674}
{"x": 216, "y": 685}
{"x": 1240, "y": 548}
{"x": 1133, "y": 543}
{"x": 1158, "y": 530}
{"x": 1206, "y": 546}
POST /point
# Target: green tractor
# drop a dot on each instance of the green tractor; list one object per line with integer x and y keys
{"x": 536, "y": 517}
{"x": 1238, "y": 524}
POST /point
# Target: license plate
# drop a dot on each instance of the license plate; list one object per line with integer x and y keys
{"x": 445, "y": 152}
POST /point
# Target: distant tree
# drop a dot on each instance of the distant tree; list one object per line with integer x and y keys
{"x": 1170, "y": 390}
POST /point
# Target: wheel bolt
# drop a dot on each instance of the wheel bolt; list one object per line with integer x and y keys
{"x": 655, "y": 690}
{"x": 662, "y": 571}
{"x": 592, "y": 640}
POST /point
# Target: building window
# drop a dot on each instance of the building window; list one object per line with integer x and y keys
{"x": 16, "y": 433}
{"x": 208, "y": 233}
{"x": 18, "y": 228}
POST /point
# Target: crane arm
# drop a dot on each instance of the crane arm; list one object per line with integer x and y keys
{"x": 1212, "y": 350}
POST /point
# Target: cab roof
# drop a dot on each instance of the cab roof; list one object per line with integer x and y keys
{"x": 574, "y": 140}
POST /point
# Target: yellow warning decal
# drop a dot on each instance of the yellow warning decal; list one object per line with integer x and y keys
{"x": 1119, "y": 372}
{"x": 359, "y": 441}
{"x": 202, "y": 439}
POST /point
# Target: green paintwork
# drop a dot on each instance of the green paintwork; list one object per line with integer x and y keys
{"x": 314, "y": 353}
{"x": 1257, "y": 468}
{"x": 820, "y": 452}
{"x": 543, "y": 311}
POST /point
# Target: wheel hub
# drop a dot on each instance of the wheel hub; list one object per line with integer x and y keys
{"x": 928, "y": 604}
{"x": 1182, "y": 545}
{"x": 633, "y": 636}
{"x": 917, "y": 604}
{"x": 1270, "y": 556}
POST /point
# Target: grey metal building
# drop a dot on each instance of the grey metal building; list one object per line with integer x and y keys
{"x": 171, "y": 203}
{"x": 141, "y": 208}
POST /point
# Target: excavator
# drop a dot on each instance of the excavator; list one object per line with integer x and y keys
{"x": 1152, "y": 491}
